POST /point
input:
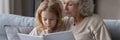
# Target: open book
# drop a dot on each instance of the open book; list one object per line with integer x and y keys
{"x": 65, "y": 35}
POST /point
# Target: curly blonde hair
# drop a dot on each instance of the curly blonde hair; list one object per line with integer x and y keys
{"x": 86, "y": 7}
{"x": 53, "y": 7}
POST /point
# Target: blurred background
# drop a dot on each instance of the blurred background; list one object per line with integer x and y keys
{"x": 109, "y": 9}
{"x": 19, "y": 7}
{"x": 17, "y": 16}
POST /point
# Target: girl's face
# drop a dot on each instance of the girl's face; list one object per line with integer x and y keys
{"x": 49, "y": 19}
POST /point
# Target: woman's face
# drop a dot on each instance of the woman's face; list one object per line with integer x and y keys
{"x": 70, "y": 7}
{"x": 49, "y": 19}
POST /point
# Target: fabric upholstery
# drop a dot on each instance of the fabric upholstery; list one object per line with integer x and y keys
{"x": 113, "y": 27}
{"x": 12, "y": 31}
{"x": 10, "y": 19}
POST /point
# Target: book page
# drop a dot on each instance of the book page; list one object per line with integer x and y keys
{"x": 65, "y": 35}
{"x": 28, "y": 37}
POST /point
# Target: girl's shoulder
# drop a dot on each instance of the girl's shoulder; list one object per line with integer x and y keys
{"x": 35, "y": 32}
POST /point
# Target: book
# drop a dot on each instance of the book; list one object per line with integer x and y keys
{"x": 28, "y": 37}
{"x": 65, "y": 35}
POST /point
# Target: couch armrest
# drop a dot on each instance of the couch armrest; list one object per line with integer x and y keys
{"x": 10, "y": 19}
{"x": 12, "y": 31}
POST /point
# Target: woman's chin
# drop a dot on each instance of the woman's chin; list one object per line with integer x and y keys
{"x": 69, "y": 15}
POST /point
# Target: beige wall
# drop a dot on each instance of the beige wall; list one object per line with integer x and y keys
{"x": 21, "y": 7}
{"x": 109, "y": 9}
{"x": 25, "y": 7}
{"x": 1, "y": 6}
{"x": 37, "y": 3}
{"x": 4, "y": 6}
{"x": 16, "y": 7}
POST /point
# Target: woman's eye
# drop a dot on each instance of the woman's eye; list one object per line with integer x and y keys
{"x": 52, "y": 19}
{"x": 70, "y": 4}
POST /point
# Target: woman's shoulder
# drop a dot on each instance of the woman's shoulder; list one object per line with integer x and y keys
{"x": 96, "y": 18}
{"x": 95, "y": 22}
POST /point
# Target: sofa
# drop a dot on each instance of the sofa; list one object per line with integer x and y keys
{"x": 113, "y": 26}
{"x": 10, "y": 25}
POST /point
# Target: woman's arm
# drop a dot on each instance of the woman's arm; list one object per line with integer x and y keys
{"x": 101, "y": 32}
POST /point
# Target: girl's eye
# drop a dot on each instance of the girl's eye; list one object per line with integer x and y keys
{"x": 52, "y": 19}
{"x": 45, "y": 19}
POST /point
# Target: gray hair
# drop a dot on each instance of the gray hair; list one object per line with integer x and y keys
{"x": 86, "y": 7}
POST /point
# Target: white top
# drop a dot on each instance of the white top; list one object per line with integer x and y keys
{"x": 34, "y": 32}
{"x": 90, "y": 28}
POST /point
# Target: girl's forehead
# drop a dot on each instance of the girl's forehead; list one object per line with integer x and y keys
{"x": 67, "y": 0}
{"x": 48, "y": 14}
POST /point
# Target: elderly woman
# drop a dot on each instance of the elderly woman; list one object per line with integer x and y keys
{"x": 82, "y": 22}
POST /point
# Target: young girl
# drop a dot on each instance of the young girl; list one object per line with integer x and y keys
{"x": 48, "y": 18}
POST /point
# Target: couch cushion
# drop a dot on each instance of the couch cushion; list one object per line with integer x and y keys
{"x": 25, "y": 30}
{"x": 113, "y": 27}
{"x": 10, "y": 19}
{"x": 3, "y": 37}
{"x": 2, "y": 33}
{"x": 12, "y": 31}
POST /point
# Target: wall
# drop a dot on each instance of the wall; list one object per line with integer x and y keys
{"x": 21, "y": 7}
{"x": 109, "y": 9}
{"x": 15, "y": 7}
{"x": 28, "y": 7}
{"x": 37, "y": 3}
{"x": 1, "y": 6}
{"x": 4, "y": 6}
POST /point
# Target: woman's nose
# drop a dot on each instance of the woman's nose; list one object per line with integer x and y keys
{"x": 65, "y": 7}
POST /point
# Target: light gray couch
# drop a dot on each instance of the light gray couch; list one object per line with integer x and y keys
{"x": 113, "y": 27}
{"x": 9, "y": 19}
{"x": 21, "y": 21}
